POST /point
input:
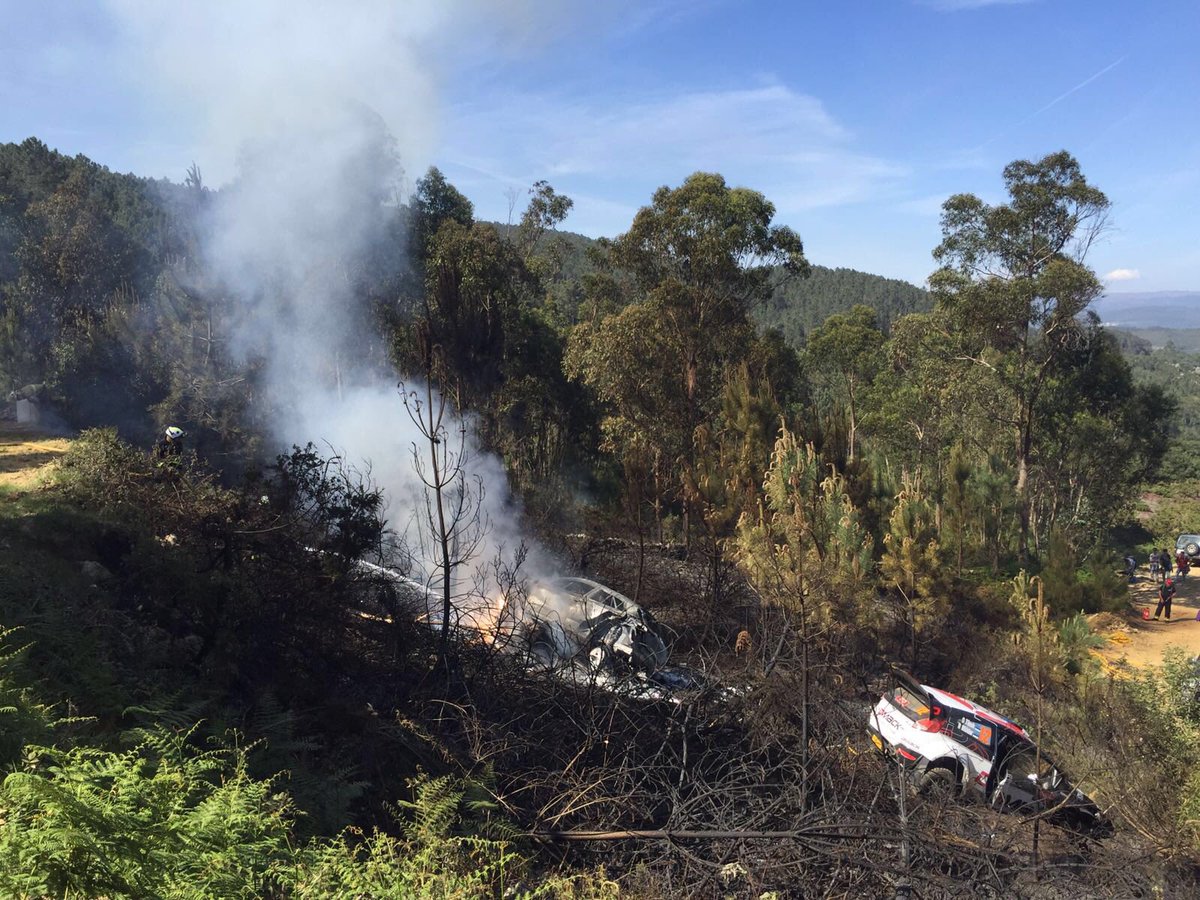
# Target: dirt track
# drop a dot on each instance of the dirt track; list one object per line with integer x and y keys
{"x": 24, "y": 452}
{"x": 1135, "y": 641}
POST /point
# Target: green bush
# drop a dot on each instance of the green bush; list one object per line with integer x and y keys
{"x": 1075, "y": 640}
{"x": 433, "y": 859}
{"x": 165, "y": 820}
{"x": 154, "y": 821}
{"x": 23, "y": 719}
{"x": 1176, "y": 511}
{"x": 1074, "y": 586}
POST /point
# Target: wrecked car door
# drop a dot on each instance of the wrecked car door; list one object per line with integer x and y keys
{"x": 1020, "y": 777}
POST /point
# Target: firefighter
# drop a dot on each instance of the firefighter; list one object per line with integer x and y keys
{"x": 1165, "y": 593}
{"x": 170, "y": 445}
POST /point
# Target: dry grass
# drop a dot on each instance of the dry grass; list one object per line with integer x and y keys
{"x": 25, "y": 454}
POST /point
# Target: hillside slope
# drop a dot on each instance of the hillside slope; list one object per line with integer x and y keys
{"x": 796, "y": 306}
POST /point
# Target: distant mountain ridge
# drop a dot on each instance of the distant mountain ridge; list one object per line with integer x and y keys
{"x": 796, "y": 305}
{"x": 1150, "y": 309}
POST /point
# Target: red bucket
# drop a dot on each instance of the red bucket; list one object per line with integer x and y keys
{"x": 1146, "y": 613}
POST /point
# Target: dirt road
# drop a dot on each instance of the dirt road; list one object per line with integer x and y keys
{"x": 1136, "y": 641}
{"x": 24, "y": 452}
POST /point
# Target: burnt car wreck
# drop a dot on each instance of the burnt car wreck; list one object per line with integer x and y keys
{"x": 581, "y": 628}
{"x": 575, "y": 628}
{"x": 953, "y": 747}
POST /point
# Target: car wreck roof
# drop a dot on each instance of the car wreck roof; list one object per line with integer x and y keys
{"x": 957, "y": 702}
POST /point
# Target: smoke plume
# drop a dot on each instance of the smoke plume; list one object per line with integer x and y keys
{"x": 311, "y": 108}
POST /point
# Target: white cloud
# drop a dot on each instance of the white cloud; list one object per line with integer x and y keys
{"x": 768, "y": 137}
{"x": 1123, "y": 275}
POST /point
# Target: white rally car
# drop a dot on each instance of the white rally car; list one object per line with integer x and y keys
{"x": 957, "y": 747}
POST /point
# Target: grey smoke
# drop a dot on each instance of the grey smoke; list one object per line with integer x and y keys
{"x": 313, "y": 107}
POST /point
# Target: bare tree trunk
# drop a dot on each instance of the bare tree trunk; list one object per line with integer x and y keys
{"x": 443, "y": 537}
{"x": 853, "y": 419}
{"x": 804, "y": 710}
{"x": 1022, "y": 490}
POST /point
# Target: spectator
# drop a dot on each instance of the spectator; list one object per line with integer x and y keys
{"x": 1130, "y": 567}
{"x": 1165, "y": 593}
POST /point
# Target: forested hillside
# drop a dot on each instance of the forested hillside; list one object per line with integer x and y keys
{"x": 81, "y": 254}
{"x": 798, "y": 306}
{"x": 317, "y": 652}
{"x": 1177, "y": 374}
{"x": 793, "y": 306}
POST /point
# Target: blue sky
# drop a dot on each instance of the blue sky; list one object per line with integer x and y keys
{"x": 855, "y": 119}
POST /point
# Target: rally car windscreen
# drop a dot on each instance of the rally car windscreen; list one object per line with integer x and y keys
{"x": 911, "y": 704}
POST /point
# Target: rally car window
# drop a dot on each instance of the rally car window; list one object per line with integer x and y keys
{"x": 972, "y": 733}
{"x": 573, "y": 586}
{"x": 913, "y": 705}
{"x": 1022, "y": 763}
{"x": 608, "y": 598}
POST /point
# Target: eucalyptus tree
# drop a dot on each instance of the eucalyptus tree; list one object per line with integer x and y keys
{"x": 689, "y": 269}
{"x": 844, "y": 354}
{"x": 1014, "y": 282}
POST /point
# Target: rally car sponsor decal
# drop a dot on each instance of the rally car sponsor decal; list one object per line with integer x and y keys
{"x": 976, "y": 730}
{"x": 982, "y": 712}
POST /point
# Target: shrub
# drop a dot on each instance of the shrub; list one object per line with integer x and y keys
{"x": 155, "y": 821}
{"x": 23, "y": 719}
{"x": 164, "y": 820}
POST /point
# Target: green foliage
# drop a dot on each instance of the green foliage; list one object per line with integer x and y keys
{"x": 166, "y": 820}
{"x": 912, "y": 557}
{"x": 683, "y": 279}
{"x": 1076, "y": 640}
{"x": 547, "y": 208}
{"x": 436, "y": 857}
{"x": 1072, "y": 587}
{"x": 799, "y": 306}
{"x": 156, "y": 820}
{"x": 341, "y": 509}
{"x": 1013, "y": 286}
{"x": 1175, "y": 510}
{"x": 1167, "y": 707}
{"x": 957, "y": 499}
{"x": 478, "y": 325}
{"x": 844, "y": 353}
{"x": 1103, "y": 437}
{"x": 81, "y": 246}
{"x": 1036, "y": 639}
{"x": 1064, "y": 591}
{"x": 1177, "y": 375}
{"x": 807, "y": 535}
{"x": 23, "y": 718}
{"x": 235, "y": 578}
{"x": 436, "y": 202}
{"x": 96, "y": 461}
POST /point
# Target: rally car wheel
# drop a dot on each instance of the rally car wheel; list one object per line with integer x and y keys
{"x": 939, "y": 782}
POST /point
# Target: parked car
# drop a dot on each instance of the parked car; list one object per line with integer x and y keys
{"x": 1189, "y": 544}
{"x": 955, "y": 747}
